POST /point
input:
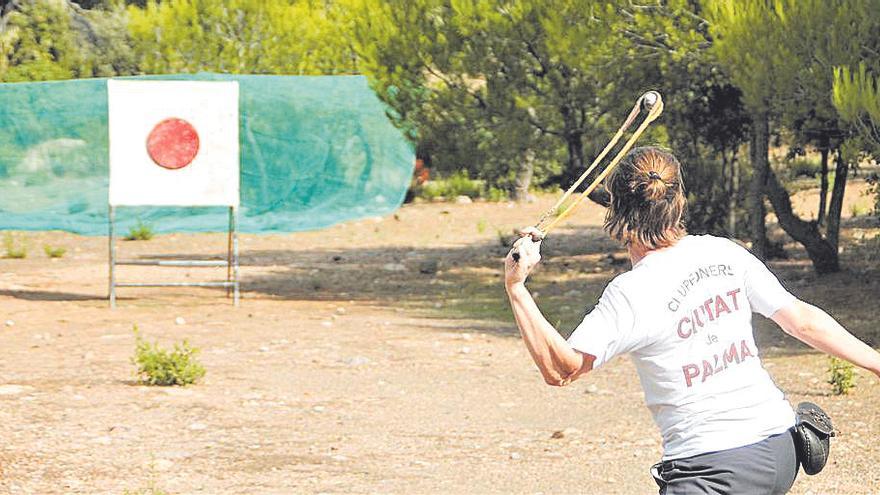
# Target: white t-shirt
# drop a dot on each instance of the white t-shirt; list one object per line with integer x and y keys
{"x": 684, "y": 314}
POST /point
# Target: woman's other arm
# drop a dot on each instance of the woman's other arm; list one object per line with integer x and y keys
{"x": 816, "y": 328}
{"x": 558, "y": 362}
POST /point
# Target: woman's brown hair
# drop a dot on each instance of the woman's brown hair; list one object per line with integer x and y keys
{"x": 647, "y": 199}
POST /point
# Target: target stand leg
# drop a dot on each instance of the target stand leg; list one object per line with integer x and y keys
{"x": 233, "y": 216}
{"x": 112, "y": 257}
{"x": 231, "y": 226}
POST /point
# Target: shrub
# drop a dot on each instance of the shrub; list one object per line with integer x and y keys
{"x": 13, "y": 249}
{"x": 804, "y": 167}
{"x": 563, "y": 208}
{"x": 149, "y": 490}
{"x": 54, "y": 252}
{"x": 140, "y": 232}
{"x": 495, "y": 194}
{"x": 842, "y": 378}
{"x": 158, "y": 366}
{"x": 459, "y": 184}
{"x": 856, "y": 210}
{"x": 430, "y": 190}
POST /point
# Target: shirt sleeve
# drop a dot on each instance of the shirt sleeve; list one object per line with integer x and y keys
{"x": 766, "y": 294}
{"x": 609, "y": 329}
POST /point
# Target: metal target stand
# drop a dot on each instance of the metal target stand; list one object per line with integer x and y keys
{"x": 231, "y": 263}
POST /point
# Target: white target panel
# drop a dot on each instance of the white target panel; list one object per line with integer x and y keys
{"x": 173, "y": 143}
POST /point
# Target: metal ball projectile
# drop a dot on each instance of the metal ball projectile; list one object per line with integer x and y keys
{"x": 649, "y": 99}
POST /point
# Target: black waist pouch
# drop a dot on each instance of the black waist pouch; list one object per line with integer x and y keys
{"x": 813, "y": 432}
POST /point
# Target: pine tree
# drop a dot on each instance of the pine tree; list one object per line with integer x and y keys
{"x": 781, "y": 55}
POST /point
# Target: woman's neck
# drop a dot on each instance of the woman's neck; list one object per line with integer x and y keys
{"x": 637, "y": 251}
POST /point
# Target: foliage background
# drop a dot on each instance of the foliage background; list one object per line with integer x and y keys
{"x": 524, "y": 94}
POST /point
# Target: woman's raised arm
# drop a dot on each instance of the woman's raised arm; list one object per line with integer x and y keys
{"x": 816, "y": 328}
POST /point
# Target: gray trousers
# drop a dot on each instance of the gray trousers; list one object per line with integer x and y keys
{"x": 767, "y": 467}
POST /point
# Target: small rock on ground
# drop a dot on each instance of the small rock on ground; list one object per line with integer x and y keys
{"x": 357, "y": 361}
{"x": 13, "y": 389}
{"x": 394, "y": 267}
{"x": 429, "y": 267}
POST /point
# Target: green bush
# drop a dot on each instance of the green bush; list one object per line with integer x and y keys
{"x": 495, "y": 194}
{"x": 842, "y": 378}
{"x": 54, "y": 252}
{"x": 158, "y": 366}
{"x": 804, "y": 167}
{"x": 149, "y": 490}
{"x": 140, "y": 232}
{"x": 856, "y": 210}
{"x": 14, "y": 250}
{"x": 563, "y": 208}
{"x": 459, "y": 184}
{"x": 152, "y": 487}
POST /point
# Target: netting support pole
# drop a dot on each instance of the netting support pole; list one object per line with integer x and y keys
{"x": 233, "y": 218}
{"x": 112, "y": 257}
{"x": 229, "y": 288}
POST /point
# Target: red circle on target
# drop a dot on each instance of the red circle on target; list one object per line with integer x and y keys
{"x": 173, "y": 143}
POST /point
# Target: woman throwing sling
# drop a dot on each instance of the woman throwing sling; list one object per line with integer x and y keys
{"x": 684, "y": 314}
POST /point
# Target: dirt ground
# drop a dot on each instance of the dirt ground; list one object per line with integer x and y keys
{"x": 348, "y": 370}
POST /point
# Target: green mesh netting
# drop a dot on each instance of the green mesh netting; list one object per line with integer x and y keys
{"x": 315, "y": 151}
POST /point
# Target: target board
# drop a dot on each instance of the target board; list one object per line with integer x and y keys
{"x": 173, "y": 143}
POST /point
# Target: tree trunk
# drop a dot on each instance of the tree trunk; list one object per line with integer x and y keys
{"x": 576, "y": 167}
{"x": 841, "y": 170}
{"x": 724, "y": 162}
{"x": 823, "y": 191}
{"x": 759, "y": 149}
{"x": 732, "y": 194}
{"x": 821, "y": 252}
{"x": 524, "y": 177}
